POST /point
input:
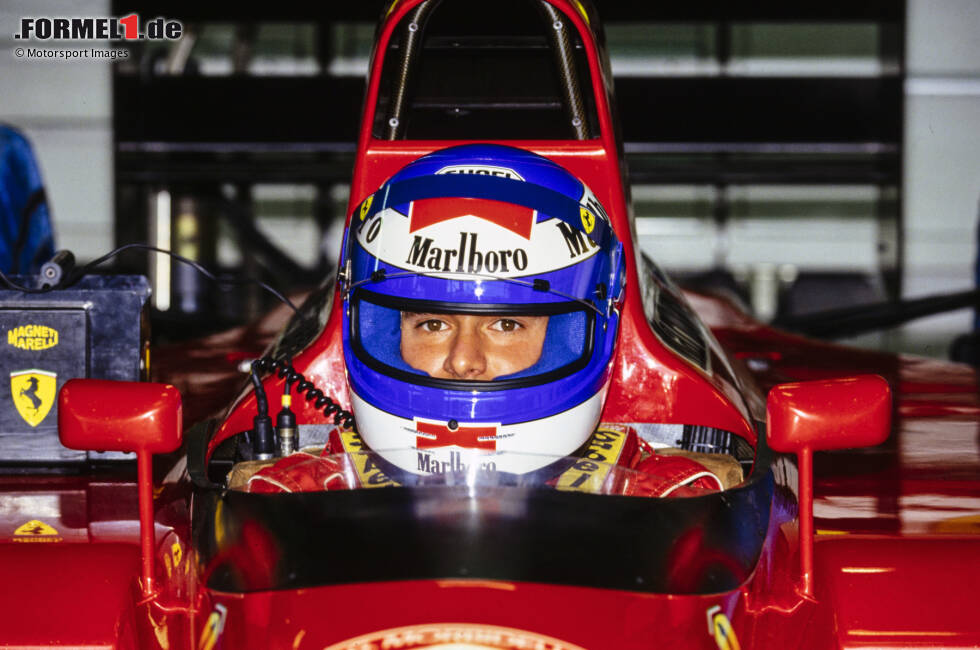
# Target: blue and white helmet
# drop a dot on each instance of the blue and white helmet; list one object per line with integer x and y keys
{"x": 480, "y": 230}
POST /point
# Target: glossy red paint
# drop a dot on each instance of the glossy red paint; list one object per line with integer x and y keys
{"x": 96, "y": 508}
{"x": 96, "y": 414}
{"x": 68, "y": 595}
{"x": 925, "y": 478}
{"x": 829, "y": 414}
{"x": 885, "y": 592}
{"x": 805, "y": 417}
{"x": 588, "y": 618}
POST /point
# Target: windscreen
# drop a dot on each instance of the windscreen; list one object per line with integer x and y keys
{"x": 570, "y": 526}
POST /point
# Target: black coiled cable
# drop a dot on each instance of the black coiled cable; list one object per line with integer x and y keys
{"x": 285, "y": 370}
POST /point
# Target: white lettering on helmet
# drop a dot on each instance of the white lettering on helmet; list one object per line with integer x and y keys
{"x": 482, "y": 170}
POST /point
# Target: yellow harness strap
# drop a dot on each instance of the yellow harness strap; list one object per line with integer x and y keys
{"x": 601, "y": 454}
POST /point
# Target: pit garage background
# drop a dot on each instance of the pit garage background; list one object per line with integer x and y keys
{"x": 802, "y": 156}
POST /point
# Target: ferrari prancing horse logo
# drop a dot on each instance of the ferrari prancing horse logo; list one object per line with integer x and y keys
{"x": 33, "y": 392}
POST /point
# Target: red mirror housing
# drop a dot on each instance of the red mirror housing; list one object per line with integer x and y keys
{"x": 829, "y": 414}
{"x": 819, "y": 415}
{"x": 102, "y": 415}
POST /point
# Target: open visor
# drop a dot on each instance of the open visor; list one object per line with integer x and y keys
{"x": 377, "y": 322}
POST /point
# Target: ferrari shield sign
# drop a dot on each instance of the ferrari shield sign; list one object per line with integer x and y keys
{"x": 33, "y": 392}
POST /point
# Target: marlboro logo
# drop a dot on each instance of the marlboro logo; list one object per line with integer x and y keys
{"x": 454, "y": 464}
{"x": 467, "y": 257}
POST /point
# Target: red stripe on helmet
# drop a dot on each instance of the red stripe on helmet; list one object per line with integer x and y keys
{"x": 426, "y": 212}
{"x": 439, "y": 435}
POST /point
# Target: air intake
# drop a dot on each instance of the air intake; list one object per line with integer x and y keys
{"x": 678, "y": 328}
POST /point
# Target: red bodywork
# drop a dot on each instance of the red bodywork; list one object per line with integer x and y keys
{"x": 897, "y": 525}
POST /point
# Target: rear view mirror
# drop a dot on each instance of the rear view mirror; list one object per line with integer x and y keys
{"x": 101, "y": 415}
{"x": 813, "y": 416}
{"x": 829, "y": 414}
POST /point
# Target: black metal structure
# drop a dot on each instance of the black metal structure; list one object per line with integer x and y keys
{"x": 195, "y": 133}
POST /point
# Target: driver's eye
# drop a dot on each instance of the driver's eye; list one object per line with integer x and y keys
{"x": 507, "y": 325}
{"x": 433, "y": 325}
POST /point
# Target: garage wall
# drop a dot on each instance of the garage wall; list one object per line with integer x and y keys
{"x": 942, "y": 162}
{"x": 64, "y": 108}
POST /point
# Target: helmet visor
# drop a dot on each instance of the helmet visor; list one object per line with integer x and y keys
{"x": 470, "y": 347}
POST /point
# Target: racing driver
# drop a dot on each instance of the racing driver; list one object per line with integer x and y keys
{"x": 481, "y": 286}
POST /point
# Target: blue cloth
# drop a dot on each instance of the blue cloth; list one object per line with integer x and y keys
{"x": 26, "y": 235}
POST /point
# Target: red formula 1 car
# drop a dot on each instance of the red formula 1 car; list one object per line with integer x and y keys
{"x": 851, "y": 520}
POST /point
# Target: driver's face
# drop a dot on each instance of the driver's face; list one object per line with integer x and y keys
{"x": 464, "y": 346}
